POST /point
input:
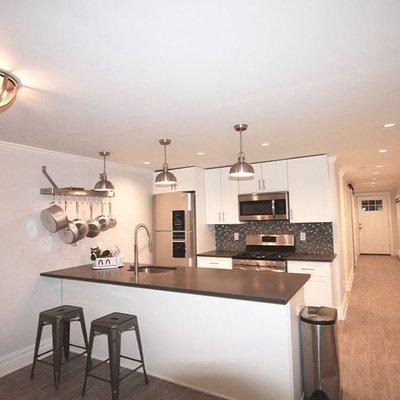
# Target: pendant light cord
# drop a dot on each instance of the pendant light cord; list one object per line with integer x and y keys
{"x": 165, "y": 166}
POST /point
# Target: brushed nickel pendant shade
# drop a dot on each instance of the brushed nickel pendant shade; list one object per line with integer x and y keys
{"x": 165, "y": 177}
{"x": 241, "y": 169}
{"x": 8, "y": 90}
{"x": 104, "y": 184}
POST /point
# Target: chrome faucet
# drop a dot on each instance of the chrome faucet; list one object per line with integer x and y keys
{"x": 136, "y": 246}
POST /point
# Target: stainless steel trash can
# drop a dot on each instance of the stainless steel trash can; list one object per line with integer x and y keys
{"x": 320, "y": 362}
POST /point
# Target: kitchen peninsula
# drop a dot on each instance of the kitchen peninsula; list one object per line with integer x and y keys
{"x": 233, "y": 334}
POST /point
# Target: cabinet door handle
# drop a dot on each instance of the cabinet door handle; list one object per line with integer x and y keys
{"x": 213, "y": 263}
{"x": 223, "y": 216}
{"x": 308, "y": 269}
{"x": 259, "y": 184}
{"x": 291, "y": 214}
{"x": 219, "y": 217}
{"x": 264, "y": 184}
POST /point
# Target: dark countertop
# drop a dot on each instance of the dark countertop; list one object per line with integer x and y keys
{"x": 329, "y": 257}
{"x": 219, "y": 253}
{"x": 267, "y": 287}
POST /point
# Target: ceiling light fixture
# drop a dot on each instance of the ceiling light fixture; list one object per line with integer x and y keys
{"x": 201, "y": 153}
{"x": 383, "y": 150}
{"x": 8, "y": 90}
{"x": 146, "y": 162}
{"x": 389, "y": 125}
{"x": 265, "y": 144}
{"x": 241, "y": 169}
{"x": 165, "y": 178}
{"x": 376, "y": 173}
{"x": 104, "y": 185}
{"x": 379, "y": 166}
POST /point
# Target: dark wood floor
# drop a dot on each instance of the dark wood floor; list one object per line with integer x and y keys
{"x": 18, "y": 386}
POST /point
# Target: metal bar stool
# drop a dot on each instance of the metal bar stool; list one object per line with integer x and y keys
{"x": 113, "y": 325}
{"x": 60, "y": 319}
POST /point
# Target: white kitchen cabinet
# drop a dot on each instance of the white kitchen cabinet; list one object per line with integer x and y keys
{"x": 309, "y": 189}
{"x": 318, "y": 290}
{"x": 268, "y": 177}
{"x": 214, "y": 262}
{"x": 221, "y": 197}
{"x": 252, "y": 185}
{"x": 185, "y": 181}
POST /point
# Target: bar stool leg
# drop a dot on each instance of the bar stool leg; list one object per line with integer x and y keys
{"x": 88, "y": 360}
{"x": 139, "y": 343}
{"x": 57, "y": 331}
{"x": 66, "y": 336}
{"x": 83, "y": 327}
{"x": 114, "y": 348}
{"x": 37, "y": 345}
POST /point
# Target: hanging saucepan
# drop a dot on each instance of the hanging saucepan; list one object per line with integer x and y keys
{"x": 70, "y": 234}
{"x": 103, "y": 219}
{"x": 54, "y": 218}
{"x": 112, "y": 222}
{"x": 81, "y": 224}
{"x": 93, "y": 224}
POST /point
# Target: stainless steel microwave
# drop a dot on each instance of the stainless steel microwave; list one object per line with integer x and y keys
{"x": 264, "y": 206}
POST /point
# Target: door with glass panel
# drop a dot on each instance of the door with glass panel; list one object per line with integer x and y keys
{"x": 373, "y": 224}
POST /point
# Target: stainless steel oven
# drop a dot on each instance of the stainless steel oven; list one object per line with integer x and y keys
{"x": 264, "y": 206}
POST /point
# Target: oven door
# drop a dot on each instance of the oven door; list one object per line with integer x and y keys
{"x": 259, "y": 268}
{"x": 263, "y": 206}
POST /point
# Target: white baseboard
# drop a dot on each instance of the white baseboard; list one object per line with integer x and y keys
{"x": 342, "y": 309}
{"x": 349, "y": 282}
{"x": 21, "y": 358}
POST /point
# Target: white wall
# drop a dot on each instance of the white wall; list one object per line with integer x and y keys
{"x": 26, "y": 248}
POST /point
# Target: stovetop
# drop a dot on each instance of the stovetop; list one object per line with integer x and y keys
{"x": 263, "y": 255}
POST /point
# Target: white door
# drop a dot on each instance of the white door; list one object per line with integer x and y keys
{"x": 213, "y": 196}
{"x": 230, "y": 203}
{"x": 253, "y": 185}
{"x": 373, "y": 224}
{"x": 309, "y": 194}
{"x": 275, "y": 176}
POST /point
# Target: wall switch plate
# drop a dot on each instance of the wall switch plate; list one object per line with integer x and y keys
{"x": 303, "y": 236}
{"x": 236, "y": 236}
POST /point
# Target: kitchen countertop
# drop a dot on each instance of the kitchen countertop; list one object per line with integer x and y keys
{"x": 268, "y": 287}
{"x": 328, "y": 257}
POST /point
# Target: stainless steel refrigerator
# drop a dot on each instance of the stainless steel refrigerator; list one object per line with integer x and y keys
{"x": 174, "y": 225}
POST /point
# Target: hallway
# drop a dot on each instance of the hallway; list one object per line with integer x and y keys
{"x": 369, "y": 338}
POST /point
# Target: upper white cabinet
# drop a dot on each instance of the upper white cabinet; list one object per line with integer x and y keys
{"x": 268, "y": 177}
{"x": 309, "y": 189}
{"x": 221, "y": 197}
{"x": 186, "y": 181}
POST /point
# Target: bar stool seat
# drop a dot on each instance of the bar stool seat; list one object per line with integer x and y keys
{"x": 113, "y": 325}
{"x": 60, "y": 319}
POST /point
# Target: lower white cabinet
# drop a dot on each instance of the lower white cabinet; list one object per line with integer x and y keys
{"x": 214, "y": 262}
{"x": 318, "y": 289}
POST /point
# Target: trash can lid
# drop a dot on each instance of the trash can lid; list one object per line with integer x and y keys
{"x": 319, "y": 315}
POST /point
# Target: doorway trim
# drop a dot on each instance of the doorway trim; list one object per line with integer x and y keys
{"x": 389, "y": 205}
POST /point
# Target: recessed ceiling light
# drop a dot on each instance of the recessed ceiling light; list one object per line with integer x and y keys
{"x": 383, "y": 150}
{"x": 379, "y": 166}
{"x": 376, "y": 173}
{"x": 201, "y": 153}
{"x": 146, "y": 162}
{"x": 265, "y": 144}
{"x": 389, "y": 125}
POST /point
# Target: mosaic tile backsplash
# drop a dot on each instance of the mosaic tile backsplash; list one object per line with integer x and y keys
{"x": 319, "y": 236}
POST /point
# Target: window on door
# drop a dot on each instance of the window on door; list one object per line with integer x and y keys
{"x": 371, "y": 205}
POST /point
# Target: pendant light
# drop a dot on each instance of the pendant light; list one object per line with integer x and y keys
{"x": 165, "y": 178}
{"x": 8, "y": 90}
{"x": 104, "y": 184}
{"x": 241, "y": 169}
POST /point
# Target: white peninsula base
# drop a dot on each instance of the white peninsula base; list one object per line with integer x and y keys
{"x": 235, "y": 349}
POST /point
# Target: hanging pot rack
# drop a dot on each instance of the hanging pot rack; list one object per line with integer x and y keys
{"x": 54, "y": 190}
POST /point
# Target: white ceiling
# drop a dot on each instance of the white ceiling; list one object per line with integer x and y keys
{"x": 310, "y": 77}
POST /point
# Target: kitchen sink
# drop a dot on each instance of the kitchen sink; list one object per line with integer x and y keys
{"x": 152, "y": 269}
